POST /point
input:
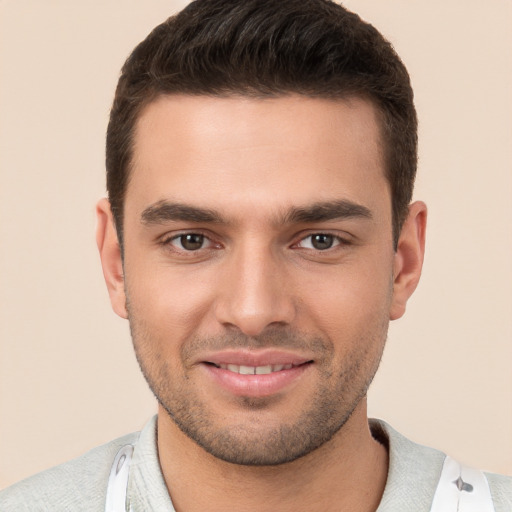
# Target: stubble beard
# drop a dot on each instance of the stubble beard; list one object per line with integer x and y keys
{"x": 256, "y": 442}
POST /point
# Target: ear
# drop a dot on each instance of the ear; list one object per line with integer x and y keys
{"x": 110, "y": 254}
{"x": 408, "y": 259}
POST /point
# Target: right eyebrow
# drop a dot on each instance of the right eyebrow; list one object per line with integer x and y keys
{"x": 165, "y": 211}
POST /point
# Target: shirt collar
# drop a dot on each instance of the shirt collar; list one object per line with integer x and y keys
{"x": 413, "y": 473}
{"x": 146, "y": 485}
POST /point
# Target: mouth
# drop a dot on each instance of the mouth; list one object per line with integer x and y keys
{"x": 255, "y": 374}
{"x": 256, "y": 370}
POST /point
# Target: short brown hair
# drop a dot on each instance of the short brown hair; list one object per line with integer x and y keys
{"x": 266, "y": 48}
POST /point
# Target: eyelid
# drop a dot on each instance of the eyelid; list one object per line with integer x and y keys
{"x": 339, "y": 240}
{"x": 336, "y": 242}
{"x": 167, "y": 239}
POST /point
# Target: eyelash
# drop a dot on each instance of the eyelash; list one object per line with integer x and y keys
{"x": 167, "y": 241}
{"x": 337, "y": 242}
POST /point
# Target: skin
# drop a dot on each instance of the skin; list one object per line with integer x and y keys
{"x": 248, "y": 175}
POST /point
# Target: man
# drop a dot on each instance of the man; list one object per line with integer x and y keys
{"x": 259, "y": 236}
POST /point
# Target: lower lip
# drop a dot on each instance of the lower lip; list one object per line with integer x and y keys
{"x": 255, "y": 385}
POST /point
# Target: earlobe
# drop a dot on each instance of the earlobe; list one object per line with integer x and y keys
{"x": 408, "y": 260}
{"x": 110, "y": 254}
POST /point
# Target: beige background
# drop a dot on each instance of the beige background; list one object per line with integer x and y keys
{"x": 68, "y": 379}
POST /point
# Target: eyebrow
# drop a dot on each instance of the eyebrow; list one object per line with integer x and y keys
{"x": 329, "y": 210}
{"x": 165, "y": 211}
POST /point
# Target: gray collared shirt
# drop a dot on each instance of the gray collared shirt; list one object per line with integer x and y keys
{"x": 80, "y": 485}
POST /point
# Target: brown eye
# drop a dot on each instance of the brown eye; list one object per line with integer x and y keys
{"x": 322, "y": 241}
{"x": 192, "y": 241}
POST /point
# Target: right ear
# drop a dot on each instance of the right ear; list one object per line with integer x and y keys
{"x": 110, "y": 254}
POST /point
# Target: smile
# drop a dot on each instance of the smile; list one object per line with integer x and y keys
{"x": 255, "y": 370}
{"x": 255, "y": 378}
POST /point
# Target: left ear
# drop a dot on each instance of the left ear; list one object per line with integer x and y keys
{"x": 408, "y": 259}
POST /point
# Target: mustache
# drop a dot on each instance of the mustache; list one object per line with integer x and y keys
{"x": 273, "y": 337}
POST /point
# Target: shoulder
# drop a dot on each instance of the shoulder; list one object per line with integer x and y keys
{"x": 501, "y": 491}
{"x": 77, "y": 485}
{"x": 415, "y": 470}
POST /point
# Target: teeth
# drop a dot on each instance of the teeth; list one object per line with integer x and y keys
{"x": 255, "y": 370}
{"x": 263, "y": 370}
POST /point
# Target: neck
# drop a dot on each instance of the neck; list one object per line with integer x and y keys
{"x": 346, "y": 473}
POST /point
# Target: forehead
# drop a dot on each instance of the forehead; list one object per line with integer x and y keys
{"x": 225, "y": 152}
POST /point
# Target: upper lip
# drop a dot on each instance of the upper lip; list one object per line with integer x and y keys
{"x": 254, "y": 358}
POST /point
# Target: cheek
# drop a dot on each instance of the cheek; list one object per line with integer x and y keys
{"x": 170, "y": 300}
{"x": 350, "y": 301}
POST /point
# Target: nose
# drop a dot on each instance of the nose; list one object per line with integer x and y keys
{"x": 255, "y": 292}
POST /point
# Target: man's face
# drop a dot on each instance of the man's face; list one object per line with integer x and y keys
{"x": 258, "y": 267}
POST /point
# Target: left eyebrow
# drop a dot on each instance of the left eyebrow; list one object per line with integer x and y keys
{"x": 330, "y": 210}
